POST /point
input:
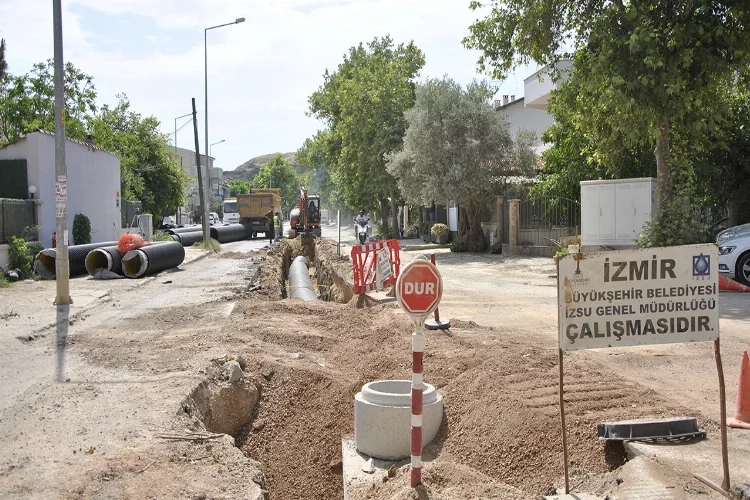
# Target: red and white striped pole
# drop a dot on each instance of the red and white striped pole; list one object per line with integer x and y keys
{"x": 417, "y": 390}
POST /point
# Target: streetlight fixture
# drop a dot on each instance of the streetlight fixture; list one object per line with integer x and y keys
{"x": 214, "y": 144}
{"x": 205, "y": 87}
{"x": 175, "y": 130}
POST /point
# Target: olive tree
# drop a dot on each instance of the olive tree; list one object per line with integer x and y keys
{"x": 457, "y": 147}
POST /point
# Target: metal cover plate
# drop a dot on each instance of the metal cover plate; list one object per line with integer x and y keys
{"x": 669, "y": 429}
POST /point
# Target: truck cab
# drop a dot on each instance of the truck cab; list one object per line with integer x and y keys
{"x": 231, "y": 214}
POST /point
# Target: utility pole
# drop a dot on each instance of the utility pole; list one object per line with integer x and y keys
{"x": 62, "y": 271}
{"x": 204, "y": 208}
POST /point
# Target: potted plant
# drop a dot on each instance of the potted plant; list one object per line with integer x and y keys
{"x": 440, "y": 231}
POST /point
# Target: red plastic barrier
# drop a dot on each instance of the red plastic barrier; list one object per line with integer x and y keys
{"x": 364, "y": 262}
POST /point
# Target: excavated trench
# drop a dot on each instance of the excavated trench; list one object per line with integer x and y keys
{"x": 328, "y": 284}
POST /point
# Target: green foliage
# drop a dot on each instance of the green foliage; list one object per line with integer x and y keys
{"x": 212, "y": 245}
{"x": 279, "y": 173}
{"x": 238, "y": 186}
{"x": 362, "y": 105}
{"x": 457, "y": 245}
{"x": 457, "y": 147}
{"x": 315, "y": 157}
{"x": 27, "y": 102}
{"x": 19, "y": 256}
{"x": 647, "y": 73}
{"x": 562, "y": 252}
{"x": 81, "y": 229}
{"x": 439, "y": 229}
{"x": 149, "y": 171}
{"x": 161, "y": 236}
{"x": 4, "y": 283}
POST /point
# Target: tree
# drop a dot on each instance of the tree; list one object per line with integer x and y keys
{"x": 650, "y": 66}
{"x": 238, "y": 186}
{"x": 27, "y": 102}
{"x": 362, "y": 103}
{"x": 457, "y": 147}
{"x": 3, "y": 63}
{"x": 279, "y": 173}
{"x": 574, "y": 156}
{"x": 149, "y": 171}
{"x": 315, "y": 157}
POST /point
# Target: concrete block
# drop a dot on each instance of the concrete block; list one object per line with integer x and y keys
{"x": 382, "y": 418}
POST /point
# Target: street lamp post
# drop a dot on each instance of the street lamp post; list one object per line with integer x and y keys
{"x": 205, "y": 86}
{"x": 175, "y": 130}
{"x": 174, "y": 139}
{"x": 218, "y": 184}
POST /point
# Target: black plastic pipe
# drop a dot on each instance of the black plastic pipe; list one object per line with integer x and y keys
{"x": 152, "y": 259}
{"x": 232, "y": 232}
{"x": 108, "y": 258}
{"x": 180, "y": 230}
{"x": 190, "y": 239}
{"x": 76, "y": 259}
{"x": 300, "y": 283}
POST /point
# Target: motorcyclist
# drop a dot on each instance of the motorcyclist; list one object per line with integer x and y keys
{"x": 361, "y": 218}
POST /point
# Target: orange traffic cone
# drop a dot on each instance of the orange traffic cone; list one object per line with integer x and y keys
{"x": 729, "y": 285}
{"x": 742, "y": 419}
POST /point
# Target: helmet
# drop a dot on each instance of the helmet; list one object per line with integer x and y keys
{"x": 362, "y": 212}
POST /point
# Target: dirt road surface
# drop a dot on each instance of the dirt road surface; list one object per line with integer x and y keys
{"x": 89, "y": 420}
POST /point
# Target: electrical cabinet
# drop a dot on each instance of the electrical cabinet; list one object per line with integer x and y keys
{"x": 613, "y": 212}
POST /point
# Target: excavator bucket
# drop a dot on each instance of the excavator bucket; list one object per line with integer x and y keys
{"x": 307, "y": 238}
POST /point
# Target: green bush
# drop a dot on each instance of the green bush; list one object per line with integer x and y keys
{"x": 19, "y": 256}
{"x": 4, "y": 283}
{"x": 81, "y": 230}
{"x": 161, "y": 236}
{"x": 496, "y": 248}
{"x": 212, "y": 245}
{"x": 560, "y": 253}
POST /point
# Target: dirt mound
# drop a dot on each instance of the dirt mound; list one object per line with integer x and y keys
{"x": 445, "y": 480}
{"x": 501, "y": 401}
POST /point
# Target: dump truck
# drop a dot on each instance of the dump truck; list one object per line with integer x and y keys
{"x": 253, "y": 208}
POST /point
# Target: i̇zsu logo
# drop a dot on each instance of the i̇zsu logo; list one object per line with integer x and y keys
{"x": 419, "y": 288}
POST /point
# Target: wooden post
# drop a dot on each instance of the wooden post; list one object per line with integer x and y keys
{"x": 562, "y": 422}
{"x": 723, "y": 423}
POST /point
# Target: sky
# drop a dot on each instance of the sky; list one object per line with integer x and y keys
{"x": 260, "y": 72}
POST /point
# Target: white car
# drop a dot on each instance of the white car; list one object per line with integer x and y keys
{"x": 734, "y": 253}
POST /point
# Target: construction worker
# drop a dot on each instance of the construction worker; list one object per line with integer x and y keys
{"x": 277, "y": 225}
{"x": 271, "y": 226}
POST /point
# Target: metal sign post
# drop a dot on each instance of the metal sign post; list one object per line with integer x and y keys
{"x": 418, "y": 291}
{"x": 640, "y": 297}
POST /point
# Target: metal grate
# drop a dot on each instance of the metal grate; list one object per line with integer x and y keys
{"x": 15, "y": 217}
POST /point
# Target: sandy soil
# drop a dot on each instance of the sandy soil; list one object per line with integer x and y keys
{"x": 138, "y": 349}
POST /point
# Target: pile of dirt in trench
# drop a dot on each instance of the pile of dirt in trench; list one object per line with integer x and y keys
{"x": 501, "y": 402}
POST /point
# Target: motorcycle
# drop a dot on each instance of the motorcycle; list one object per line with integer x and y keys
{"x": 360, "y": 226}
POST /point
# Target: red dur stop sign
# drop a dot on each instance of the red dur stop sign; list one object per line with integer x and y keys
{"x": 419, "y": 288}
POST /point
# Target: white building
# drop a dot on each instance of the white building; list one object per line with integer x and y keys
{"x": 186, "y": 158}
{"x": 93, "y": 184}
{"x": 530, "y": 111}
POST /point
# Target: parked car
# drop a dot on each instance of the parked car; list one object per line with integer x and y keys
{"x": 734, "y": 253}
{"x": 213, "y": 218}
{"x": 168, "y": 220}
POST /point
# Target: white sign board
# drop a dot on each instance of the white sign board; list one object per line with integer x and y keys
{"x": 638, "y": 297}
{"x": 384, "y": 263}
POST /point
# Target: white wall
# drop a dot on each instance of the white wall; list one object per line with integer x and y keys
{"x": 523, "y": 117}
{"x": 93, "y": 184}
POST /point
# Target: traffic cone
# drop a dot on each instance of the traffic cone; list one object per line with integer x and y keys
{"x": 742, "y": 418}
{"x": 729, "y": 285}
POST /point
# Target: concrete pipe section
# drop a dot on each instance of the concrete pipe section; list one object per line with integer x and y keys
{"x": 382, "y": 418}
{"x": 300, "y": 284}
